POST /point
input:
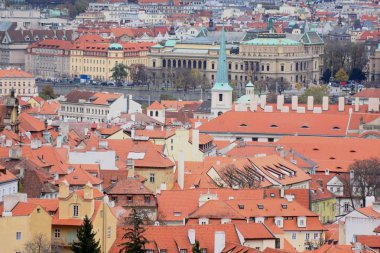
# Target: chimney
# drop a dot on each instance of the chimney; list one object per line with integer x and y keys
{"x": 357, "y": 104}
{"x": 341, "y": 104}
{"x": 131, "y": 168}
{"x": 10, "y": 201}
{"x": 133, "y": 117}
{"x": 282, "y": 192}
{"x": 373, "y": 104}
{"x": 253, "y": 102}
{"x": 376, "y": 206}
{"x": 219, "y": 242}
{"x": 197, "y": 124}
{"x": 132, "y": 133}
{"x": 195, "y": 142}
{"x": 263, "y": 101}
{"x": 280, "y": 102}
{"x": 191, "y": 235}
{"x": 268, "y": 108}
{"x": 285, "y": 109}
{"x": 59, "y": 141}
{"x": 64, "y": 189}
{"x": 88, "y": 192}
{"x": 294, "y": 103}
{"x": 301, "y": 109}
{"x": 85, "y": 131}
{"x": 181, "y": 169}
{"x": 325, "y": 103}
{"x": 369, "y": 200}
{"x": 310, "y": 103}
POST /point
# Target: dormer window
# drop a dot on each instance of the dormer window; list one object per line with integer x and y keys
{"x": 336, "y": 128}
{"x": 284, "y": 206}
{"x": 260, "y": 206}
{"x": 273, "y": 126}
{"x": 304, "y": 126}
{"x": 243, "y": 125}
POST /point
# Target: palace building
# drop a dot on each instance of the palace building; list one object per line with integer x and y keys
{"x": 269, "y": 55}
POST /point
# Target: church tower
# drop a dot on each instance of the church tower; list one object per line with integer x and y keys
{"x": 221, "y": 92}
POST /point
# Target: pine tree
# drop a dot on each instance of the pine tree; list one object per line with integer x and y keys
{"x": 86, "y": 239}
{"x": 196, "y": 248}
{"x": 135, "y": 241}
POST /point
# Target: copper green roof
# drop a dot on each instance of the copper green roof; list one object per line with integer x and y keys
{"x": 157, "y": 46}
{"x": 115, "y": 46}
{"x": 249, "y": 84}
{"x": 222, "y": 73}
{"x": 170, "y": 43}
{"x": 272, "y": 42}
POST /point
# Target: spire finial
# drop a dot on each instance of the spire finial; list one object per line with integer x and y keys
{"x": 222, "y": 73}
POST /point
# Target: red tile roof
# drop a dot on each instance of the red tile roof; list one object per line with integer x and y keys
{"x": 155, "y": 106}
{"x": 14, "y": 73}
{"x": 173, "y": 238}
{"x": 372, "y": 241}
{"x": 6, "y": 176}
{"x": 254, "y": 231}
{"x": 369, "y": 93}
{"x": 175, "y": 205}
{"x": 80, "y": 177}
{"x": 336, "y": 154}
{"x": 152, "y": 157}
{"x": 278, "y": 123}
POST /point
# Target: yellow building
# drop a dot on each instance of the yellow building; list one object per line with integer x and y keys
{"x": 20, "y": 221}
{"x": 23, "y": 83}
{"x": 323, "y": 201}
{"x": 98, "y": 59}
{"x": 73, "y": 206}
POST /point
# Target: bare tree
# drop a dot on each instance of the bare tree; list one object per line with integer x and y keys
{"x": 40, "y": 244}
{"x": 365, "y": 178}
{"x": 246, "y": 177}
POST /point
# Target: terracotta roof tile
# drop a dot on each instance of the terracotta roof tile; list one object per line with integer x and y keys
{"x": 278, "y": 123}
{"x": 155, "y": 106}
{"x": 14, "y": 73}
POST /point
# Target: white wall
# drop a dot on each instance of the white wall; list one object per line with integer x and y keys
{"x": 8, "y": 188}
{"x": 106, "y": 159}
{"x": 358, "y": 226}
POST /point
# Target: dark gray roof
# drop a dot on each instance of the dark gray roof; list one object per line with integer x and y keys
{"x": 205, "y": 107}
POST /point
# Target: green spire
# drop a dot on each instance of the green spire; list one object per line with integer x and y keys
{"x": 222, "y": 73}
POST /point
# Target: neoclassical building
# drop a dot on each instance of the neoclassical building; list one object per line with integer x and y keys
{"x": 374, "y": 66}
{"x": 270, "y": 55}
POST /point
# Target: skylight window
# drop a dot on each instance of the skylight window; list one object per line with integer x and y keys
{"x": 305, "y": 126}
{"x": 336, "y": 128}
{"x": 243, "y": 125}
{"x": 260, "y": 206}
{"x": 273, "y": 125}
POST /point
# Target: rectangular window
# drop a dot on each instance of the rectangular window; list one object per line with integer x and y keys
{"x": 220, "y": 97}
{"x": 147, "y": 199}
{"x": 57, "y": 233}
{"x": 129, "y": 199}
{"x": 75, "y": 211}
{"x": 315, "y": 236}
{"x": 151, "y": 177}
{"x": 282, "y": 67}
{"x": 307, "y": 236}
{"x": 294, "y": 236}
{"x": 18, "y": 236}
{"x": 346, "y": 206}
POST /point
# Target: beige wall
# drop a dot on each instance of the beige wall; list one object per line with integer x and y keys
{"x": 39, "y": 222}
{"x": 22, "y": 86}
{"x": 161, "y": 175}
{"x": 299, "y": 242}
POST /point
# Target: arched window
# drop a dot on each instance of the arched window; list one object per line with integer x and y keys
{"x": 156, "y": 113}
{"x": 220, "y": 113}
